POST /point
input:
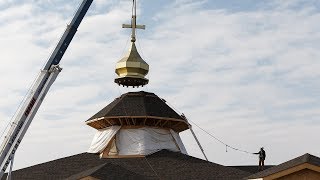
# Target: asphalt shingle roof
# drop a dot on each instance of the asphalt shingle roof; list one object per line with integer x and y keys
{"x": 138, "y": 109}
{"x": 252, "y": 169}
{"x": 137, "y": 104}
{"x": 160, "y": 165}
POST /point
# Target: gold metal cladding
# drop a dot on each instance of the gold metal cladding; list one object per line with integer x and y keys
{"x": 132, "y": 63}
{"x": 132, "y": 69}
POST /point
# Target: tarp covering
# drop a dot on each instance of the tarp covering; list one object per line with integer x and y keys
{"x": 102, "y": 138}
{"x": 140, "y": 141}
{"x": 144, "y": 141}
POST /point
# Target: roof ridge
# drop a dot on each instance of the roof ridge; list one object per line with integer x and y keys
{"x": 86, "y": 173}
{"x": 116, "y": 103}
{"x": 184, "y": 156}
{"x": 145, "y": 104}
{"x": 119, "y": 100}
{"x": 306, "y": 157}
{"x": 180, "y": 153}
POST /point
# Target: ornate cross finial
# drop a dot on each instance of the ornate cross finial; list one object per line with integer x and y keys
{"x": 133, "y": 24}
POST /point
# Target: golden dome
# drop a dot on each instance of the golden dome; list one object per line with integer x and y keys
{"x": 132, "y": 69}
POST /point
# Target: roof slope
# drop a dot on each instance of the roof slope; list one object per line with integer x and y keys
{"x": 161, "y": 165}
{"x": 137, "y": 104}
{"x": 251, "y": 169}
{"x": 306, "y": 158}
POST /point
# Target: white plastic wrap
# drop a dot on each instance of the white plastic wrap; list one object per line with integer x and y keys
{"x": 140, "y": 141}
{"x": 144, "y": 141}
{"x": 102, "y": 138}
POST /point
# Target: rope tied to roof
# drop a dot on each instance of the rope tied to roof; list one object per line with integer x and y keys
{"x": 222, "y": 142}
{"x": 212, "y": 136}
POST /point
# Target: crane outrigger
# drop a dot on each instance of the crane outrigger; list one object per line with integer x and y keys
{"x": 38, "y": 92}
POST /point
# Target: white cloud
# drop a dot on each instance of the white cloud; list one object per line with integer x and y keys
{"x": 248, "y": 77}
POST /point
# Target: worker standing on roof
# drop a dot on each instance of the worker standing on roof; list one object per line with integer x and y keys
{"x": 262, "y": 157}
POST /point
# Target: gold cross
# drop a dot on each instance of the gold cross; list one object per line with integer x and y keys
{"x": 133, "y": 24}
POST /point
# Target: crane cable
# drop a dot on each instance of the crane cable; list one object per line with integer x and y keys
{"x": 134, "y": 5}
{"x": 227, "y": 146}
{"x": 214, "y": 137}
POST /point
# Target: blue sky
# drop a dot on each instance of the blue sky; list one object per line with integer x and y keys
{"x": 246, "y": 71}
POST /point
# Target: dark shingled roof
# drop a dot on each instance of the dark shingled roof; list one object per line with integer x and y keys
{"x": 306, "y": 158}
{"x": 251, "y": 169}
{"x": 138, "y": 109}
{"x": 160, "y": 165}
{"x": 137, "y": 104}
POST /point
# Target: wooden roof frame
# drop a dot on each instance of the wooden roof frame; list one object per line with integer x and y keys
{"x": 177, "y": 125}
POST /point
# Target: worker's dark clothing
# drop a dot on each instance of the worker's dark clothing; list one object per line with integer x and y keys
{"x": 262, "y": 157}
{"x": 261, "y": 164}
{"x": 262, "y": 154}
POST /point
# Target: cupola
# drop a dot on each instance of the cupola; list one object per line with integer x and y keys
{"x": 132, "y": 69}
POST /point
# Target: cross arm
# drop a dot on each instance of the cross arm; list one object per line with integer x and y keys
{"x": 130, "y": 26}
